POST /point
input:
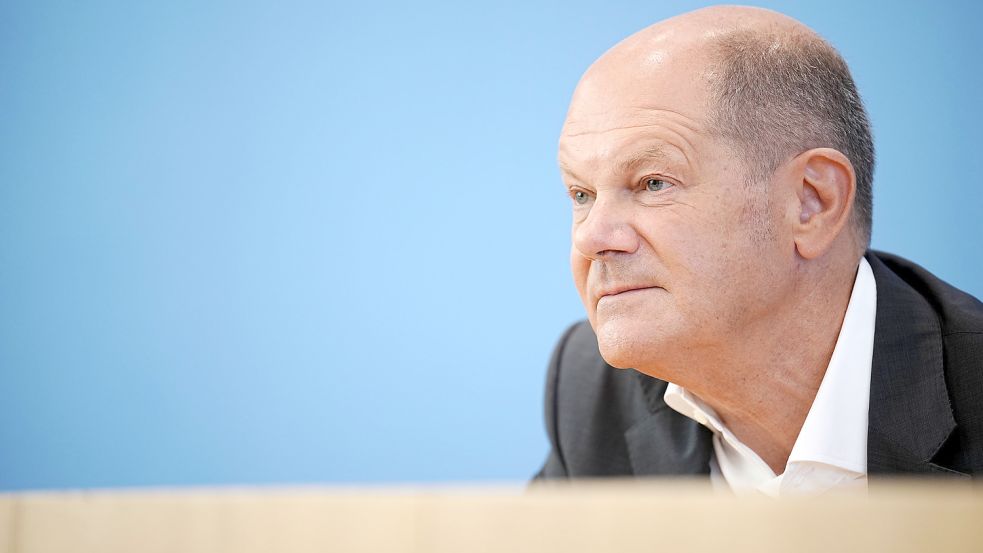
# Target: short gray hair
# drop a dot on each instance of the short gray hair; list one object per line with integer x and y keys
{"x": 774, "y": 96}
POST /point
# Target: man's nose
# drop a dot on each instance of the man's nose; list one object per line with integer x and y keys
{"x": 607, "y": 229}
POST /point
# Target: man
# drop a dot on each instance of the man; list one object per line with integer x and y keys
{"x": 719, "y": 166}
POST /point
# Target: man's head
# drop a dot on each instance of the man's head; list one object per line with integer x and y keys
{"x": 719, "y": 164}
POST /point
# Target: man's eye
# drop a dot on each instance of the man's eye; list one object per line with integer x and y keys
{"x": 580, "y": 197}
{"x": 653, "y": 184}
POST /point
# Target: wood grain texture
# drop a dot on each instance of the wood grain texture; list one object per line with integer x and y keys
{"x": 620, "y": 516}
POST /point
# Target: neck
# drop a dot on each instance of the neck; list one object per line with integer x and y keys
{"x": 763, "y": 384}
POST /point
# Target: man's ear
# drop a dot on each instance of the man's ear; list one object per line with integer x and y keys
{"x": 825, "y": 185}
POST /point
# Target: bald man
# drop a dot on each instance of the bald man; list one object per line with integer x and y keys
{"x": 719, "y": 167}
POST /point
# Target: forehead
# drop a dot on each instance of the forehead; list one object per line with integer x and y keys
{"x": 616, "y": 140}
{"x": 623, "y": 104}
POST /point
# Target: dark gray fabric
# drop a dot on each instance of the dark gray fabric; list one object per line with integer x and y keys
{"x": 926, "y": 393}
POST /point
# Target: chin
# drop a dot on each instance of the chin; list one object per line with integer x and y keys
{"x": 621, "y": 348}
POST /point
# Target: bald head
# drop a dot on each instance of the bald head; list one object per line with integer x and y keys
{"x": 763, "y": 82}
{"x": 695, "y": 31}
{"x": 686, "y": 44}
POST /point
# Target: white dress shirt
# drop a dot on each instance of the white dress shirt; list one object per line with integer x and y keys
{"x": 831, "y": 449}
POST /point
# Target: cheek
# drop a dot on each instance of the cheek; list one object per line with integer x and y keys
{"x": 726, "y": 276}
{"x": 701, "y": 260}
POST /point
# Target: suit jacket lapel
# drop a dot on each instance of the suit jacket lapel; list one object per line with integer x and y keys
{"x": 666, "y": 442}
{"x": 909, "y": 415}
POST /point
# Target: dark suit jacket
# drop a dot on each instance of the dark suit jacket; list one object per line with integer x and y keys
{"x": 926, "y": 393}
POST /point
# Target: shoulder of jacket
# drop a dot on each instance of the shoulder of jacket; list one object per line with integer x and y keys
{"x": 958, "y": 311}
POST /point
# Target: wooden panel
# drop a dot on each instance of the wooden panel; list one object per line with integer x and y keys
{"x": 7, "y": 531}
{"x": 625, "y": 516}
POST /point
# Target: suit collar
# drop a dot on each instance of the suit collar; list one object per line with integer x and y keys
{"x": 909, "y": 417}
{"x": 666, "y": 442}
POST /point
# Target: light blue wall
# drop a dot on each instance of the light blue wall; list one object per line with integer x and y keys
{"x": 250, "y": 243}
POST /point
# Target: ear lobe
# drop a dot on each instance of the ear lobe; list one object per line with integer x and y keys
{"x": 827, "y": 186}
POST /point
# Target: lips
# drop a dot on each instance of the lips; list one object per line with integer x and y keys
{"x": 619, "y": 290}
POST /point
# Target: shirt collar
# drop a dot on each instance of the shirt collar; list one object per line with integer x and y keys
{"x": 835, "y": 430}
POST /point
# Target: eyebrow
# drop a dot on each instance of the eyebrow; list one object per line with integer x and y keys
{"x": 564, "y": 168}
{"x": 626, "y": 165}
{"x": 655, "y": 153}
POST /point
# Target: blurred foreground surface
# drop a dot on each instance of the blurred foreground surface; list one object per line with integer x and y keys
{"x": 610, "y": 516}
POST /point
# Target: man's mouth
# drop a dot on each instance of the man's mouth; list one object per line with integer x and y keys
{"x": 622, "y": 291}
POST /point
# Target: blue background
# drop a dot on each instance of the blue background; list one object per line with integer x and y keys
{"x": 315, "y": 242}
